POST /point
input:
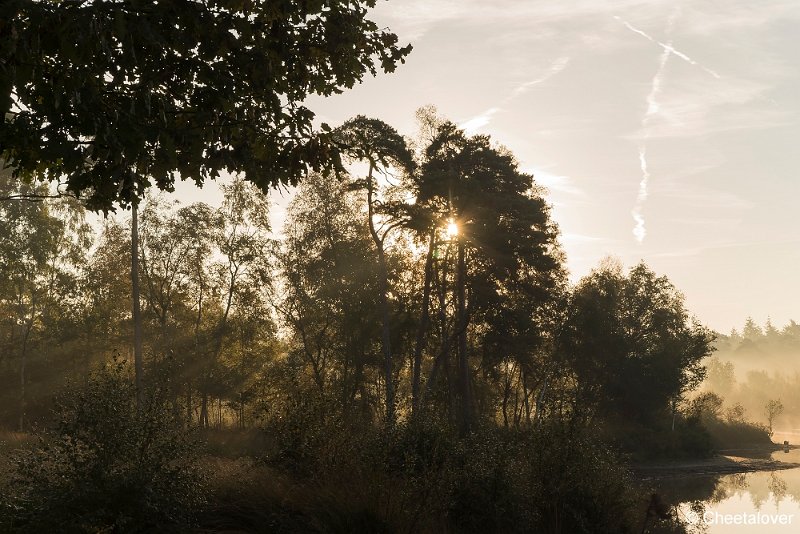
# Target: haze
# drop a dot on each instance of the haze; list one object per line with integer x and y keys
{"x": 578, "y": 90}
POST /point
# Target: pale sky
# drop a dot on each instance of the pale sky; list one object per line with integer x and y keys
{"x": 665, "y": 131}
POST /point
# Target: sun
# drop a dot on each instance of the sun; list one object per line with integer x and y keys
{"x": 452, "y": 228}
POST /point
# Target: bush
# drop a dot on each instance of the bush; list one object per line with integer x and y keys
{"x": 689, "y": 438}
{"x": 573, "y": 482}
{"x": 106, "y": 466}
{"x": 735, "y": 434}
{"x": 421, "y": 476}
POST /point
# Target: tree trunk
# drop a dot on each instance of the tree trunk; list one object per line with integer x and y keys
{"x": 189, "y": 404}
{"x": 540, "y": 401}
{"x": 384, "y": 303}
{"x": 204, "y": 410}
{"x": 22, "y": 369}
{"x": 444, "y": 356}
{"x": 525, "y": 396}
{"x": 674, "y": 413}
{"x": 386, "y": 338}
{"x": 423, "y": 325}
{"x": 463, "y": 361}
{"x": 137, "y": 313}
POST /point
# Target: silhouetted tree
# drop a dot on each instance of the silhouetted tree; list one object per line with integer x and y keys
{"x": 110, "y": 97}
{"x": 632, "y": 344}
{"x": 773, "y": 409}
{"x": 42, "y": 246}
{"x": 751, "y": 331}
{"x": 380, "y": 146}
{"x": 504, "y": 240}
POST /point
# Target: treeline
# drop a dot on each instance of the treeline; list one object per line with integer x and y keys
{"x": 753, "y": 337}
{"x": 410, "y": 330}
{"x": 432, "y": 280}
{"x": 755, "y": 372}
{"x": 66, "y": 299}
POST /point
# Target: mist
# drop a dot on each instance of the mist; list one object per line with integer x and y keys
{"x": 755, "y": 365}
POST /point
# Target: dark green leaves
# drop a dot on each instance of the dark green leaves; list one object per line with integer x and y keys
{"x": 114, "y": 96}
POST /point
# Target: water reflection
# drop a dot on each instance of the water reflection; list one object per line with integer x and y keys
{"x": 767, "y": 502}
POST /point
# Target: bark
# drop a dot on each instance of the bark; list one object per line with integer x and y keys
{"x": 189, "y": 404}
{"x": 525, "y": 395}
{"x": 137, "y": 312}
{"x": 463, "y": 361}
{"x": 22, "y": 369}
{"x": 204, "y": 411}
{"x": 422, "y": 329}
{"x": 443, "y": 333}
{"x": 384, "y": 302}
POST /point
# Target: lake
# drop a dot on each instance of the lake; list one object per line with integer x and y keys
{"x": 759, "y": 502}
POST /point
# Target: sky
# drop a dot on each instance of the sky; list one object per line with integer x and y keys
{"x": 666, "y": 132}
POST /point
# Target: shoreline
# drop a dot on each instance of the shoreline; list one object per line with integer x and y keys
{"x": 725, "y": 462}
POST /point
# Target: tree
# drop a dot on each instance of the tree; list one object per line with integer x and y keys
{"x": 42, "y": 245}
{"x": 242, "y": 241}
{"x": 105, "y": 290}
{"x": 110, "y": 97}
{"x": 773, "y": 409}
{"x": 720, "y": 376}
{"x": 505, "y": 243}
{"x": 329, "y": 298}
{"x": 175, "y": 242}
{"x": 735, "y": 414}
{"x": 632, "y": 345}
{"x": 707, "y": 406}
{"x": 770, "y": 332}
{"x": 380, "y": 146}
{"x": 735, "y": 338}
{"x": 751, "y": 331}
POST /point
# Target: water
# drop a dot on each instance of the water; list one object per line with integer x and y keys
{"x": 759, "y": 502}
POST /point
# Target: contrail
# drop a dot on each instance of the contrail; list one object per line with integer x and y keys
{"x": 557, "y": 66}
{"x": 640, "y": 231}
{"x": 479, "y": 121}
{"x": 667, "y": 47}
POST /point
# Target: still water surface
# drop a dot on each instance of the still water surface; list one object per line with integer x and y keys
{"x": 761, "y": 502}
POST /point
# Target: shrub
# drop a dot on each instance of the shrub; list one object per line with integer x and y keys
{"x": 733, "y": 434}
{"x": 105, "y": 465}
{"x": 573, "y": 482}
{"x": 421, "y": 476}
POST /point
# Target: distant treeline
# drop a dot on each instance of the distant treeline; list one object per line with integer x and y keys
{"x": 756, "y": 366}
{"x": 753, "y": 336}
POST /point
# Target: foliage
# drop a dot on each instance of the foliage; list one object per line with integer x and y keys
{"x": 737, "y": 434}
{"x": 633, "y": 347}
{"x": 503, "y": 265}
{"x": 129, "y": 94}
{"x": 329, "y": 298}
{"x": 725, "y": 428}
{"x": 105, "y": 466}
{"x": 378, "y": 144}
{"x": 423, "y": 477}
{"x": 773, "y": 409}
{"x": 42, "y": 247}
{"x": 372, "y": 370}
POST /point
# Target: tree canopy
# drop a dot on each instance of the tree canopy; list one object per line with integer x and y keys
{"x": 632, "y": 344}
{"x": 110, "y": 97}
